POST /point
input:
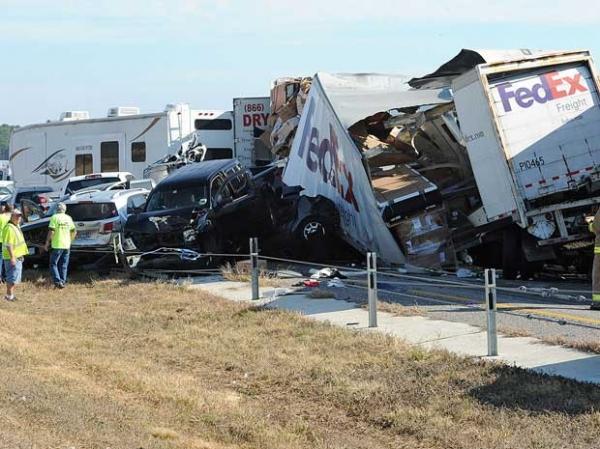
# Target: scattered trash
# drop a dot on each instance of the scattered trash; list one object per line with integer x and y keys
{"x": 335, "y": 283}
{"x": 327, "y": 273}
{"x": 311, "y": 283}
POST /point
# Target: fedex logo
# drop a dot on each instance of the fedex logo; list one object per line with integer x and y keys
{"x": 320, "y": 154}
{"x": 552, "y": 86}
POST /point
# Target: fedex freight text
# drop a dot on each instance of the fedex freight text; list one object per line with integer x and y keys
{"x": 574, "y": 105}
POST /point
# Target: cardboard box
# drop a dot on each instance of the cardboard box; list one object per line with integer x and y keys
{"x": 265, "y": 138}
{"x": 288, "y": 111}
{"x": 425, "y": 239}
{"x": 283, "y": 91}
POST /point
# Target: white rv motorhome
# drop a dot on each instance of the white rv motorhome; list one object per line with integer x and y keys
{"x": 125, "y": 140}
{"x": 5, "y": 171}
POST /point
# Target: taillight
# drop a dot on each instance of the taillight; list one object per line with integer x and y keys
{"x": 109, "y": 227}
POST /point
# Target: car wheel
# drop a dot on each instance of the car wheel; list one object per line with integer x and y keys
{"x": 313, "y": 230}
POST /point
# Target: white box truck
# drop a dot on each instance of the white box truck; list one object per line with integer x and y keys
{"x": 250, "y": 121}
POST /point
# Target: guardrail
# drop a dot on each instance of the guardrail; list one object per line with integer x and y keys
{"x": 366, "y": 279}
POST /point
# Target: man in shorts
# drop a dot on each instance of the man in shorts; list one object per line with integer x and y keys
{"x": 14, "y": 249}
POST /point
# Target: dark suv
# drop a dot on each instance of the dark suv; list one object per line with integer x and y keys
{"x": 208, "y": 207}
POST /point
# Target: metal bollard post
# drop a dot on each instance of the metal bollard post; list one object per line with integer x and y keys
{"x": 372, "y": 282}
{"x": 254, "y": 262}
{"x": 490, "y": 305}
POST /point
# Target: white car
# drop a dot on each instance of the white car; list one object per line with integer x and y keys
{"x": 7, "y": 189}
{"x": 84, "y": 182}
{"x": 99, "y": 216}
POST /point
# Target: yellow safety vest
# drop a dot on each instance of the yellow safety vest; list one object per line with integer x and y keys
{"x": 13, "y": 236}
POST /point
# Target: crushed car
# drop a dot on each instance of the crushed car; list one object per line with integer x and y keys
{"x": 214, "y": 207}
{"x": 99, "y": 217}
{"x": 208, "y": 207}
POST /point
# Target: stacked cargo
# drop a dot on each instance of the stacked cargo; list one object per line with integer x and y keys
{"x": 288, "y": 97}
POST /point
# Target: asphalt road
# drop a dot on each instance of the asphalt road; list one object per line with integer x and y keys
{"x": 547, "y": 310}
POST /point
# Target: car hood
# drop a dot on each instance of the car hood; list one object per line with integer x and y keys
{"x": 152, "y": 230}
{"x": 160, "y": 221}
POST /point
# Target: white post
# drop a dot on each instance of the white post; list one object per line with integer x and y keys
{"x": 254, "y": 262}
{"x": 372, "y": 283}
{"x": 490, "y": 305}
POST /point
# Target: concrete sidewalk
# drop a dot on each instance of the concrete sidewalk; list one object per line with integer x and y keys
{"x": 460, "y": 338}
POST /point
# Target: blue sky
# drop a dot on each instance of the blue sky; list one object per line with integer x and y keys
{"x": 90, "y": 55}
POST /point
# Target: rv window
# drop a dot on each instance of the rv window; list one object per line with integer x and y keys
{"x": 109, "y": 156}
{"x": 84, "y": 164}
{"x": 138, "y": 152}
{"x": 218, "y": 153}
{"x": 217, "y": 124}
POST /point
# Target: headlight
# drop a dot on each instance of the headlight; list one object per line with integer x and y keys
{"x": 189, "y": 235}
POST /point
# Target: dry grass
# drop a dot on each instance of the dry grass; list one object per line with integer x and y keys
{"x": 398, "y": 309}
{"x": 513, "y": 332}
{"x": 114, "y": 363}
{"x": 265, "y": 278}
{"x": 592, "y": 346}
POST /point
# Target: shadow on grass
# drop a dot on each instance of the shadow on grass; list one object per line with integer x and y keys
{"x": 516, "y": 388}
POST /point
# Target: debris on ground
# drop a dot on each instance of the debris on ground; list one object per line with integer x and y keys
{"x": 326, "y": 273}
{"x": 311, "y": 283}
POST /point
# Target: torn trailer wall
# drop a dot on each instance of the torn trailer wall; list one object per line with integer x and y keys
{"x": 467, "y": 59}
{"x": 325, "y": 160}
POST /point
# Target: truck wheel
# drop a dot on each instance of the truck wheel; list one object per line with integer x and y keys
{"x": 511, "y": 253}
{"x": 314, "y": 235}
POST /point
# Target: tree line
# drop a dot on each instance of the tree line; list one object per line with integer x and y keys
{"x": 5, "y": 131}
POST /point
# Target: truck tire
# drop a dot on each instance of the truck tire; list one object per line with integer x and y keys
{"x": 511, "y": 253}
{"x": 314, "y": 233}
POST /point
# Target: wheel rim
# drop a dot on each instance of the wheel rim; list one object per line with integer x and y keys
{"x": 313, "y": 229}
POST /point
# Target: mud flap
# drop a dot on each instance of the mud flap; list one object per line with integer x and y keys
{"x": 534, "y": 253}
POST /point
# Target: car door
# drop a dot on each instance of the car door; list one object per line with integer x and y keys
{"x": 234, "y": 209}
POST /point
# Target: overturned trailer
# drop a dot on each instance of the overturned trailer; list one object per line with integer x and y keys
{"x": 496, "y": 154}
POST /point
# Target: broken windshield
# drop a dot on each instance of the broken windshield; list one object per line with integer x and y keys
{"x": 178, "y": 198}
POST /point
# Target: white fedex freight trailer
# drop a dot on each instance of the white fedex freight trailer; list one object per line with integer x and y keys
{"x": 531, "y": 126}
{"x": 510, "y": 140}
{"x": 50, "y": 153}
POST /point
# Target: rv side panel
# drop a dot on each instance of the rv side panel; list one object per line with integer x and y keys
{"x": 50, "y": 154}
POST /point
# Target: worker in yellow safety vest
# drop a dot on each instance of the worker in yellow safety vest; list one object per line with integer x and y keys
{"x": 595, "y": 228}
{"x": 5, "y": 214}
{"x": 14, "y": 249}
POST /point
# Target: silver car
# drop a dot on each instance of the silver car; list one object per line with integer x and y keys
{"x": 99, "y": 216}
